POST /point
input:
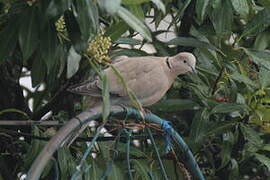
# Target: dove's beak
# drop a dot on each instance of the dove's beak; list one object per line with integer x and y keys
{"x": 193, "y": 69}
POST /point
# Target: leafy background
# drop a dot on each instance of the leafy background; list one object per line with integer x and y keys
{"x": 223, "y": 111}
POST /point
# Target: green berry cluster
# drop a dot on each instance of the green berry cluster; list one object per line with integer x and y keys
{"x": 98, "y": 48}
{"x": 61, "y": 25}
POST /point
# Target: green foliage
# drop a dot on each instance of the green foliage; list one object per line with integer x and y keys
{"x": 223, "y": 111}
{"x": 73, "y": 62}
{"x": 106, "y": 97}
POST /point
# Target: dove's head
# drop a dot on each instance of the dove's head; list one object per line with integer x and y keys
{"x": 183, "y": 62}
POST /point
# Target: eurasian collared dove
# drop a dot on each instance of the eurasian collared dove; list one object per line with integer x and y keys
{"x": 148, "y": 77}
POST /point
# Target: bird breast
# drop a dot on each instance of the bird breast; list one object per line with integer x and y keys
{"x": 149, "y": 81}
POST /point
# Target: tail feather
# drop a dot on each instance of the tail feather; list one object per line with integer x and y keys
{"x": 87, "y": 88}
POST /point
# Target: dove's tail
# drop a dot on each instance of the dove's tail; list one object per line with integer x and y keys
{"x": 87, "y": 88}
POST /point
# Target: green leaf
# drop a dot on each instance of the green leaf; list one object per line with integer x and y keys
{"x": 261, "y": 58}
{"x": 29, "y": 33}
{"x": 161, "y": 48}
{"x": 266, "y": 147}
{"x": 242, "y": 79}
{"x": 137, "y": 11}
{"x": 262, "y": 41}
{"x": 265, "y": 3}
{"x": 57, "y": 7}
{"x": 183, "y": 6}
{"x": 74, "y": 32}
{"x": 228, "y": 108}
{"x": 201, "y": 7}
{"x": 73, "y": 62}
{"x": 66, "y": 162}
{"x": 258, "y": 23}
{"x": 263, "y": 159}
{"x": 141, "y": 169}
{"x": 130, "y": 53}
{"x": 215, "y": 3}
{"x": 134, "y": 23}
{"x": 130, "y": 41}
{"x": 38, "y": 71}
{"x": 117, "y": 173}
{"x": 264, "y": 77}
{"x": 199, "y": 126}
{"x": 86, "y": 14}
{"x": 8, "y": 38}
{"x": 48, "y": 46}
{"x": 174, "y": 105}
{"x": 111, "y": 6}
{"x": 241, "y": 7}
{"x": 222, "y": 17}
{"x": 116, "y": 30}
{"x": 62, "y": 57}
{"x": 234, "y": 173}
{"x": 171, "y": 170}
{"x": 227, "y": 145}
{"x": 12, "y": 110}
{"x": 160, "y": 5}
{"x": 105, "y": 149}
{"x": 191, "y": 42}
{"x": 251, "y": 135}
{"x": 48, "y": 169}
{"x": 34, "y": 149}
{"x": 134, "y": 2}
{"x": 220, "y": 128}
{"x": 240, "y": 99}
{"x": 133, "y": 150}
{"x": 96, "y": 169}
{"x": 106, "y": 107}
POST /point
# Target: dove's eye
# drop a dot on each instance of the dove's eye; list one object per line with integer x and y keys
{"x": 185, "y": 61}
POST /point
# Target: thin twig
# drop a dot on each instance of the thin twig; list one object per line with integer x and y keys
{"x": 30, "y": 123}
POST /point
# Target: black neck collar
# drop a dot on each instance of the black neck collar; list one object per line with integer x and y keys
{"x": 168, "y": 63}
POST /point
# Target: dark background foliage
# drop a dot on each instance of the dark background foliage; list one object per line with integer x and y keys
{"x": 223, "y": 111}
